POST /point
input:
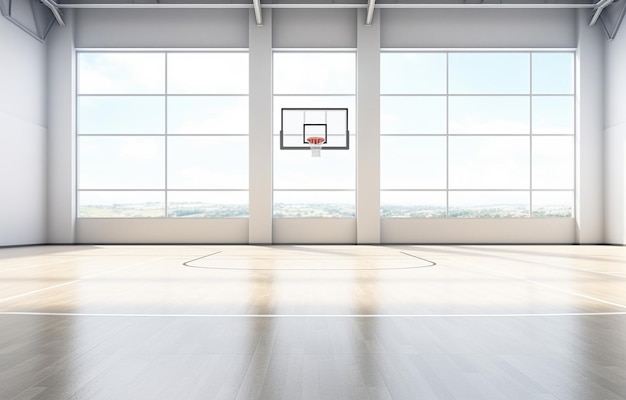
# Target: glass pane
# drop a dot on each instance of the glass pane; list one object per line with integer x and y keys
{"x": 413, "y": 73}
{"x": 489, "y": 115}
{"x": 553, "y": 204}
{"x": 489, "y": 162}
{"x": 553, "y": 73}
{"x": 207, "y": 73}
{"x": 314, "y": 73}
{"x": 207, "y": 115}
{"x": 121, "y": 204}
{"x": 325, "y": 204}
{"x": 489, "y": 73}
{"x": 553, "y": 115}
{"x": 553, "y": 162}
{"x": 297, "y": 169}
{"x": 207, "y": 204}
{"x": 413, "y": 162}
{"x": 113, "y": 115}
{"x": 207, "y": 162}
{"x": 412, "y": 115}
{"x": 121, "y": 162}
{"x": 412, "y": 204}
{"x": 121, "y": 73}
{"x": 489, "y": 204}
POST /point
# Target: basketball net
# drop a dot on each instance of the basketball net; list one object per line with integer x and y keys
{"x": 315, "y": 143}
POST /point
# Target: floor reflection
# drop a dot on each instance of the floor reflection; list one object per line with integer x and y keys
{"x": 309, "y": 324}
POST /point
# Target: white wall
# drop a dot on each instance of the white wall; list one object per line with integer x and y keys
{"x": 368, "y": 129}
{"x": 22, "y": 137}
{"x": 479, "y": 231}
{"x": 476, "y": 29}
{"x": 159, "y": 231}
{"x": 260, "y": 120}
{"x": 61, "y": 143}
{"x": 316, "y": 29}
{"x": 589, "y": 139}
{"x": 127, "y": 29}
{"x": 615, "y": 139}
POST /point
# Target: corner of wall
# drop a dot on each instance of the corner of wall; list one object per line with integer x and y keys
{"x": 590, "y": 194}
{"x": 615, "y": 139}
{"x": 61, "y": 142}
{"x": 22, "y": 137}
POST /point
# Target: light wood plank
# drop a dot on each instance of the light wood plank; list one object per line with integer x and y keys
{"x": 313, "y": 322}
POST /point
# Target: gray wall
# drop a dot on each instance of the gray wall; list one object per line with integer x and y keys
{"x": 22, "y": 137}
{"x": 310, "y": 28}
{"x": 478, "y": 28}
{"x": 154, "y": 28}
{"x": 615, "y": 139}
{"x": 61, "y": 140}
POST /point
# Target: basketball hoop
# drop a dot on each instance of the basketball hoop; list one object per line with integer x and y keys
{"x": 315, "y": 142}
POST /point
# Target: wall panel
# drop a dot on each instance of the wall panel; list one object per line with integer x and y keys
{"x": 162, "y": 28}
{"x": 615, "y": 139}
{"x": 477, "y": 28}
{"x": 158, "y": 231}
{"x": 314, "y": 28}
{"x": 22, "y": 137}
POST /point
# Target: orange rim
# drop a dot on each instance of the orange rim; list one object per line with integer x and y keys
{"x": 315, "y": 140}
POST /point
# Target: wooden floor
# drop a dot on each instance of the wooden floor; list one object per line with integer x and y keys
{"x": 313, "y": 322}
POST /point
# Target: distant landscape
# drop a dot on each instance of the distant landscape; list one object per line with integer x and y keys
{"x": 481, "y": 211}
{"x": 157, "y": 210}
{"x": 309, "y": 210}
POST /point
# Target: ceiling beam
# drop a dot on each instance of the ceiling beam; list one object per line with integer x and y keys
{"x": 599, "y": 6}
{"x": 370, "y": 12}
{"x": 44, "y": 20}
{"x": 54, "y": 7}
{"x": 332, "y": 5}
{"x": 257, "y": 12}
{"x": 4, "y": 7}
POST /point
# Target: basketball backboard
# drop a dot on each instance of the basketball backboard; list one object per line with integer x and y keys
{"x": 297, "y": 125}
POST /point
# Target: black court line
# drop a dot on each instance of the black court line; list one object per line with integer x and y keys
{"x": 190, "y": 265}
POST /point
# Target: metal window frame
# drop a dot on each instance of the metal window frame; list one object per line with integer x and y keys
{"x": 530, "y": 135}
{"x": 165, "y": 135}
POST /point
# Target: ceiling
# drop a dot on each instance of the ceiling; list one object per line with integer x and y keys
{"x": 36, "y": 17}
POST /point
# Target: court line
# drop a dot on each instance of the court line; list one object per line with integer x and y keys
{"x": 70, "y": 258}
{"x": 356, "y": 315}
{"x": 430, "y": 264}
{"x": 17, "y": 296}
{"x": 545, "y": 285}
{"x": 551, "y": 265}
{"x": 584, "y": 296}
{"x": 61, "y": 314}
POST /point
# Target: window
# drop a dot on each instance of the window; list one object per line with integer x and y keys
{"x": 477, "y": 134}
{"x": 162, "y": 134}
{"x": 306, "y": 186}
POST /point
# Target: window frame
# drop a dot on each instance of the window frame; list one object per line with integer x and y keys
{"x": 531, "y": 95}
{"x": 165, "y": 95}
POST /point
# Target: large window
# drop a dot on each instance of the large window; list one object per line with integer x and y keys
{"x": 305, "y": 186}
{"x": 477, "y": 134}
{"x": 162, "y": 134}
